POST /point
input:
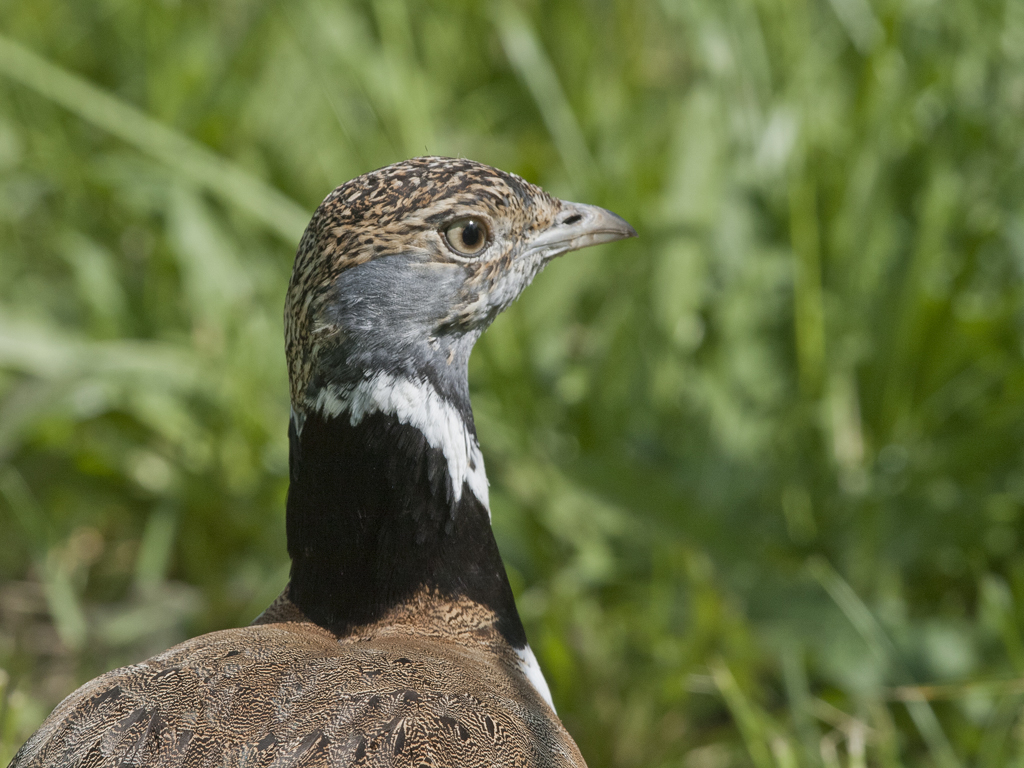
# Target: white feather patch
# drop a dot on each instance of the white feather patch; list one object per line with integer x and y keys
{"x": 528, "y": 663}
{"x": 417, "y": 404}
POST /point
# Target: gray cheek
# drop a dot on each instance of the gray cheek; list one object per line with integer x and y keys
{"x": 395, "y": 297}
{"x": 388, "y": 311}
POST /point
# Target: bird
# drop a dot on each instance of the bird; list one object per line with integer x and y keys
{"x": 396, "y": 641}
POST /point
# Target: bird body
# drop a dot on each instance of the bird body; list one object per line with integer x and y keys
{"x": 397, "y": 641}
{"x": 292, "y": 693}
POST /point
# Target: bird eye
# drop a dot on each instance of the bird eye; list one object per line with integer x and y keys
{"x": 466, "y": 236}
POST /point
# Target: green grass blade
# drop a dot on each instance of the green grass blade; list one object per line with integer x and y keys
{"x": 809, "y": 310}
{"x": 534, "y": 67}
{"x": 32, "y": 348}
{"x": 798, "y": 692}
{"x": 183, "y": 155}
{"x": 747, "y": 718}
{"x": 860, "y": 616}
{"x": 61, "y": 597}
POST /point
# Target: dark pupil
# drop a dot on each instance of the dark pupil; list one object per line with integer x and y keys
{"x": 471, "y": 234}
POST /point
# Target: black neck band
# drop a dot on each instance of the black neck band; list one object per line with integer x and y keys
{"x": 372, "y": 520}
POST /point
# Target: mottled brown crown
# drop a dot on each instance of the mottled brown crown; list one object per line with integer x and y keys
{"x": 401, "y": 208}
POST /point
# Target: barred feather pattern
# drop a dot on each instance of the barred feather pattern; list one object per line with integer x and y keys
{"x": 429, "y": 687}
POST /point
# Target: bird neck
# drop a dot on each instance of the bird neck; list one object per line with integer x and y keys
{"x": 388, "y": 498}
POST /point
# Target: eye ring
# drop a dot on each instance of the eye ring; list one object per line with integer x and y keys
{"x": 468, "y": 236}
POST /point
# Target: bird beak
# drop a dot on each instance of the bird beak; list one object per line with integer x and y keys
{"x": 577, "y": 226}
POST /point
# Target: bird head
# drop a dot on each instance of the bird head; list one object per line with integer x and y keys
{"x": 401, "y": 270}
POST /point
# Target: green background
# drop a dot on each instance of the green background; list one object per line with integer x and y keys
{"x": 757, "y": 475}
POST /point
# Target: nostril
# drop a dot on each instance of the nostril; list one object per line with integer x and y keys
{"x": 572, "y": 219}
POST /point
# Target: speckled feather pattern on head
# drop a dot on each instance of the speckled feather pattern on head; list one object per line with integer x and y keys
{"x": 398, "y": 209}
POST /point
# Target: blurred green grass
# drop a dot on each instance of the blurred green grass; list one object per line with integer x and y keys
{"x": 757, "y": 475}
